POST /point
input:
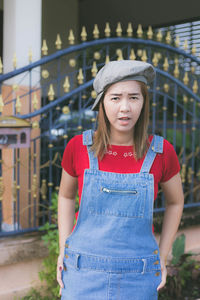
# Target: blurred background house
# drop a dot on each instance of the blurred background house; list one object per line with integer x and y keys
{"x": 50, "y": 51}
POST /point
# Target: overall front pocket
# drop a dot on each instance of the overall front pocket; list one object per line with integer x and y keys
{"x": 119, "y": 201}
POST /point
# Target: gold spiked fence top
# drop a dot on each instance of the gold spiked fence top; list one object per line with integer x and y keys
{"x": 157, "y": 58}
{"x": 158, "y": 35}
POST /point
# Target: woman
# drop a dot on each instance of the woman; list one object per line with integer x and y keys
{"x": 112, "y": 252}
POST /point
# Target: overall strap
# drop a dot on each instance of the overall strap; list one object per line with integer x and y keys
{"x": 88, "y": 141}
{"x": 155, "y": 147}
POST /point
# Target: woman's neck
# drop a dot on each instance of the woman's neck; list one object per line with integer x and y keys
{"x": 121, "y": 138}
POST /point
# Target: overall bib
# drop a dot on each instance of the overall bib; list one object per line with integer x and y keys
{"x": 112, "y": 253}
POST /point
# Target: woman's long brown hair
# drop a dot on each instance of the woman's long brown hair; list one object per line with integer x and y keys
{"x": 140, "y": 135}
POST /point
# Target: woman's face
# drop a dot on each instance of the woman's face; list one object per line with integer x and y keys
{"x": 123, "y": 102}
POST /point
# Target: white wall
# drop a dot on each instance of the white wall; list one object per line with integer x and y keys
{"x": 21, "y": 31}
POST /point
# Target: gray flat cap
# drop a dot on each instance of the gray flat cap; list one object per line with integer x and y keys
{"x": 121, "y": 70}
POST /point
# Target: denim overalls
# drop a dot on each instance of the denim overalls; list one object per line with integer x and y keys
{"x": 112, "y": 253}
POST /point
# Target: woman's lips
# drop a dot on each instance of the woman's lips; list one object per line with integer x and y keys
{"x": 124, "y": 118}
{"x": 124, "y": 121}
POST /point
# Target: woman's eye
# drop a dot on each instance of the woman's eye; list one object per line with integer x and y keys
{"x": 115, "y": 98}
{"x": 134, "y": 97}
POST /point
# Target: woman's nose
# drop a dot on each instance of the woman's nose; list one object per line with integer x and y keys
{"x": 125, "y": 105}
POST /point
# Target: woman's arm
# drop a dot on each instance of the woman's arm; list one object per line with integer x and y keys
{"x": 174, "y": 200}
{"x": 66, "y": 207}
{"x": 66, "y": 212}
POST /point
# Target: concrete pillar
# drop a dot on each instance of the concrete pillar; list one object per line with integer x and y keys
{"x": 21, "y": 32}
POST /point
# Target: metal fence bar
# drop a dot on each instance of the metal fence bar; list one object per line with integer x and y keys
{"x": 85, "y": 45}
{"x": 18, "y": 190}
{"x": 175, "y": 116}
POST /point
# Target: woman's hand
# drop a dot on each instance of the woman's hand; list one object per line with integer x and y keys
{"x": 174, "y": 198}
{"x": 164, "y": 274}
{"x": 59, "y": 271}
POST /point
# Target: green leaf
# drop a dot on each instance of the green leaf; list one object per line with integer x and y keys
{"x": 178, "y": 249}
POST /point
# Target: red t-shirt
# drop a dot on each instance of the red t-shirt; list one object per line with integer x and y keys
{"x": 119, "y": 159}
